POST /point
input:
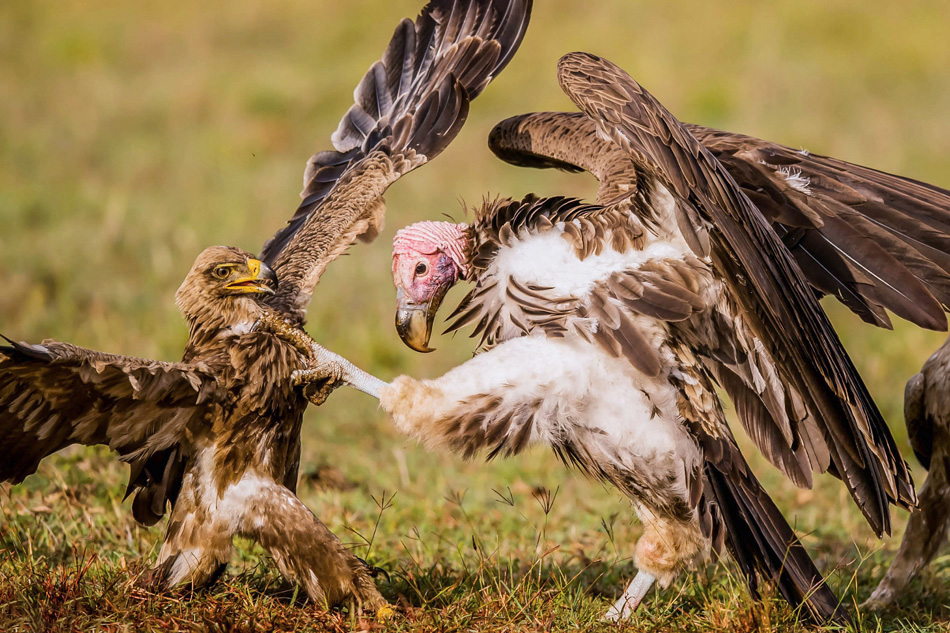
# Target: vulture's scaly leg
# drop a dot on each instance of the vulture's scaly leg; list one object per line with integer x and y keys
{"x": 326, "y": 370}
{"x": 632, "y": 596}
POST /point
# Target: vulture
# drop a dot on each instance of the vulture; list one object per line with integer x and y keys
{"x": 604, "y": 330}
{"x": 927, "y": 414}
{"x": 217, "y": 435}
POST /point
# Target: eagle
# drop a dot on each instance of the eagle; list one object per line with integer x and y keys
{"x": 217, "y": 435}
{"x": 604, "y": 330}
{"x": 927, "y": 415}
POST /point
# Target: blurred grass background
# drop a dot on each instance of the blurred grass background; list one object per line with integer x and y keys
{"x": 132, "y": 135}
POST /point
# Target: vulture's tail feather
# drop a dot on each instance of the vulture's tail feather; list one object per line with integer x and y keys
{"x": 766, "y": 547}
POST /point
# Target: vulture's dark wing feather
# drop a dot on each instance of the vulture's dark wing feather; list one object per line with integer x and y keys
{"x": 408, "y": 108}
{"x": 763, "y": 279}
{"x": 875, "y": 241}
{"x": 872, "y": 239}
{"x": 755, "y": 531}
{"x": 763, "y": 544}
{"x": 56, "y": 394}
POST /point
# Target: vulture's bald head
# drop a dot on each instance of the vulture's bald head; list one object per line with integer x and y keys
{"x": 225, "y": 285}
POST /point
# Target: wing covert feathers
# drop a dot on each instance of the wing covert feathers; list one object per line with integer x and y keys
{"x": 762, "y": 277}
{"x": 871, "y": 239}
{"x": 874, "y": 241}
{"x": 409, "y": 106}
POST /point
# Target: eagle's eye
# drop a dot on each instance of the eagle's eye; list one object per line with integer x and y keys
{"x": 421, "y": 269}
{"x": 221, "y": 272}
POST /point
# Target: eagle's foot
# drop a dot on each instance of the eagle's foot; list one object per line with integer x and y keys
{"x": 333, "y": 366}
{"x": 316, "y": 384}
{"x": 632, "y": 596}
{"x": 280, "y": 328}
{"x": 324, "y": 370}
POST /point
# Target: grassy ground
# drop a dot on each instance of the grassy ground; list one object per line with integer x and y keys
{"x": 132, "y": 135}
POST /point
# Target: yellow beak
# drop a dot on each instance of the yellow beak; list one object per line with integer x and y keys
{"x": 261, "y": 279}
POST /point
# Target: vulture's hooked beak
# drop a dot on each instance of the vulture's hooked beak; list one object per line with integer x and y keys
{"x": 261, "y": 279}
{"x": 414, "y": 320}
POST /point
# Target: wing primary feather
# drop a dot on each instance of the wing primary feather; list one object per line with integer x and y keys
{"x": 407, "y": 109}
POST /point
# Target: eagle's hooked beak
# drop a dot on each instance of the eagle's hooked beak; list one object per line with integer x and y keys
{"x": 414, "y": 320}
{"x": 261, "y": 279}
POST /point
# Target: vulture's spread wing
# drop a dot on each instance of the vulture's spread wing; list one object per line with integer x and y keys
{"x": 409, "y": 107}
{"x": 718, "y": 220}
{"x": 875, "y": 241}
{"x": 55, "y": 394}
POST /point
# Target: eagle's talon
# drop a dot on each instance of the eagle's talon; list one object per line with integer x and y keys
{"x": 385, "y": 613}
{"x": 317, "y": 383}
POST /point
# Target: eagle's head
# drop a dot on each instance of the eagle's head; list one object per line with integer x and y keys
{"x": 428, "y": 258}
{"x": 224, "y": 287}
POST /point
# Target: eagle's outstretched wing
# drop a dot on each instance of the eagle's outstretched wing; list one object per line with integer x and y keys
{"x": 56, "y": 394}
{"x": 873, "y": 240}
{"x": 778, "y": 305}
{"x": 409, "y": 107}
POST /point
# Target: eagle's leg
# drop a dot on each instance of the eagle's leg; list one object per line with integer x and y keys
{"x": 926, "y": 530}
{"x": 308, "y": 553}
{"x": 205, "y": 519}
{"x": 325, "y": 370}
{"x": 197, "y": 548}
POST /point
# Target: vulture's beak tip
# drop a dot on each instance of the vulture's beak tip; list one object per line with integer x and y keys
{"x": 414, "y": 321}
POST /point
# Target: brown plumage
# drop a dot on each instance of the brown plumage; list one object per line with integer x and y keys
{"x": 716, "y": 217}
{"x": 927, "y": 414}
{"x": 217, "y": 435}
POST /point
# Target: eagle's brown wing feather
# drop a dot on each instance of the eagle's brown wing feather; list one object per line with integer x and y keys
{"x": 56, "y": 394}
{"x": 760, "y": 274}
{"x": 873, "y": 240}
{"x": 409, "y": 107}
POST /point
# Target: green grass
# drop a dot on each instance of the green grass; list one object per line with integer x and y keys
{"x": 132, "y": 135}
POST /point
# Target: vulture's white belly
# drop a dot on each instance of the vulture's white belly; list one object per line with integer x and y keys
{"x": 582, "y": 396}
{"x": 596, "y": 408}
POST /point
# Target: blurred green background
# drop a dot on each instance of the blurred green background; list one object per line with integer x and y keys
{"x": 134, "y": 134}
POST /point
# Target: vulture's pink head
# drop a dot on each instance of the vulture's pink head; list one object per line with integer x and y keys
{"x": 428, "y": 258}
